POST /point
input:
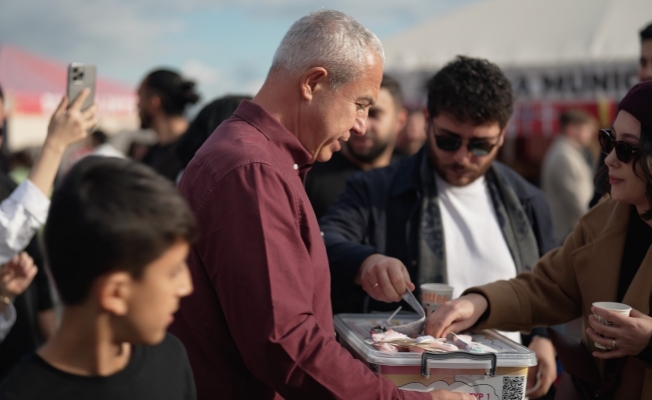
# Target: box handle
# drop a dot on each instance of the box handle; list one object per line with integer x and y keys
{"x": 425, "y": 371}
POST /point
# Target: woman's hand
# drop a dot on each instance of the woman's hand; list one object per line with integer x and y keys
{"x": 631, "y": 335}
{"x": 456, "y": 315}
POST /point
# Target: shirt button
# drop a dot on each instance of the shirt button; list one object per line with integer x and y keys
{"x": 295, "y": 166}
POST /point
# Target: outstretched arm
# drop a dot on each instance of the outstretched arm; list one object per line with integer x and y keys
{"x": 25, "y": 210}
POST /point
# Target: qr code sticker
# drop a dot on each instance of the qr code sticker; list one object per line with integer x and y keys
{"x": 513, "y": 387}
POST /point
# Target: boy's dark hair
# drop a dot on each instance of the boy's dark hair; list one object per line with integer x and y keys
{"x": 574, "y": 117}
{"x": 394, "y": 89}
{"x": 175, "y": 93}
{"x": 111, "y": 214}
{"x": 646, "y": 33}
{"x": 471, "y": 90}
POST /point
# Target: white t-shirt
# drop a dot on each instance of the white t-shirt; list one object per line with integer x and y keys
{"x": 476, "y": 251}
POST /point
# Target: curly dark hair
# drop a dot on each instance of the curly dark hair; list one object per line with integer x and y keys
{"x": 471, "y": 90}
{"x": 643, "y": 159}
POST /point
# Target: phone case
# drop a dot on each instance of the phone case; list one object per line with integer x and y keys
{"x": 81, "y": 76}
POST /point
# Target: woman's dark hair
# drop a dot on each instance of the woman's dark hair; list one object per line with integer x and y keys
{"x": 643, "y": 159}
{"x": 208, "y": 119}
{"x": 174, "y": 92}
{"x": 111, "y": 214}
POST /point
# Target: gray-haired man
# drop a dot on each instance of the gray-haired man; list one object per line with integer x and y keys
{"x": 259, "y": 324}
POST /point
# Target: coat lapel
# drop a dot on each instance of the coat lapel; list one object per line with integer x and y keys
{"x": 639, "y": 293}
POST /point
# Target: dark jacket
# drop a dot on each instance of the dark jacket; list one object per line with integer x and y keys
{"x": 378, "y": 212}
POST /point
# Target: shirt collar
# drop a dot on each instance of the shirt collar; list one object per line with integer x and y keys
{"x": 272, "y": 129}
{"x": 409, "y": 179}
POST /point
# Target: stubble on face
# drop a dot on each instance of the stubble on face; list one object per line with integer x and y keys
{"x": 381, "y": 131}
{"x": 144, "y": 115}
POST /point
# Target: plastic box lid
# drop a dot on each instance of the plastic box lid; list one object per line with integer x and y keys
{"x": 354, "y": 330}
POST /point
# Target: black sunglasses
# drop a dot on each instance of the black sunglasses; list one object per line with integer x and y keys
{"x": 625, "y": 152}
{"x": 477, "y": 147}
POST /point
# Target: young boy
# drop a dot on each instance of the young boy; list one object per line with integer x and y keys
{"x": 116, "y": 237}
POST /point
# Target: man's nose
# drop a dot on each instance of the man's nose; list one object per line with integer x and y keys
{"x": 461, "y": 155}
{"x": 186, "y": 287}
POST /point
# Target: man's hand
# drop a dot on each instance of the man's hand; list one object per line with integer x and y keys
{"x": 70, "y": 125}
{"x": 384, "y": 278}
{"x": 631, "y": 335}
{"x": 546, "y": 367}
{"x": 16, "y": 275}
{"x": 456, "y": 315}
{"x": 446, "y": 395}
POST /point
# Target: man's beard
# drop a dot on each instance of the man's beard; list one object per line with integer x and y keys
{"x": 145, "y": 121}
{"x": 370, "y": 156}
{"x": 470, "y": 172}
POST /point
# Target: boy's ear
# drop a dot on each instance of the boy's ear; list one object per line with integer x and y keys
{"x": 113, "y": 291}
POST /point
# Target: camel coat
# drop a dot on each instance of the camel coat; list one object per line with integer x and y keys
{"x": 567, "y": 280}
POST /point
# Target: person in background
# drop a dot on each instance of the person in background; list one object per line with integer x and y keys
{"x": 413, "y": 135}
{"x": 567, "y": 173}
{"x": 645, "y": 62}
{"x": 35, "y": 319}
{"x": 360, "y": 153}
{"x": 606, "y": 258}
{"x": 20, "y": 163}
{"x": 25, "y": 209}
{"x": 163, "y": 97}
{"x": 102, "y": 147}
{"x": 204, "y": 124}
{"x": 448, "y": 214}
{"x": 117, "y": 238}
{"x": 259, "y": 325}
{"x": 644, "y": 74}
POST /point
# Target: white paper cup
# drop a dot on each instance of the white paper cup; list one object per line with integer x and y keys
{"x": 620, "y": 308}
{"x": 435, "y": 294}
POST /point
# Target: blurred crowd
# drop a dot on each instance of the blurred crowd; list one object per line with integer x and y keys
{"x": 324, "y": 193}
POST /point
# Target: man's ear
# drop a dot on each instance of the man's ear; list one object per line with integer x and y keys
{"x": 113, "y": 291}
{"x": 426, "y": 114}
{"x": 401, "y": 119}
{"x": 503, "y": 132}
{"x": 153, "y": 103}
{"x": 312, "y": 81}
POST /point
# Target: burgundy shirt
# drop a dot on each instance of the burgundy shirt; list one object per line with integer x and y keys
{"x": 259, "y": 323}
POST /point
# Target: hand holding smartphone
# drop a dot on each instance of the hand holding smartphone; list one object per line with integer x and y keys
{"x": 81, "y": 76}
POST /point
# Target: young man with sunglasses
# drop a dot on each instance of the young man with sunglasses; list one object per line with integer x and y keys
{"x": 448, "y": 214}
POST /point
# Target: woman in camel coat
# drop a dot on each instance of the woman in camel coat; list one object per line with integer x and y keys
{"x": 607, "y": 258}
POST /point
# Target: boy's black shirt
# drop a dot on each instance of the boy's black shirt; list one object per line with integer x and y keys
{"x": 154, "y": 372}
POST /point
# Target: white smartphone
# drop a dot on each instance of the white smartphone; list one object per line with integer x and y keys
{"x": 81, "y": 76}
